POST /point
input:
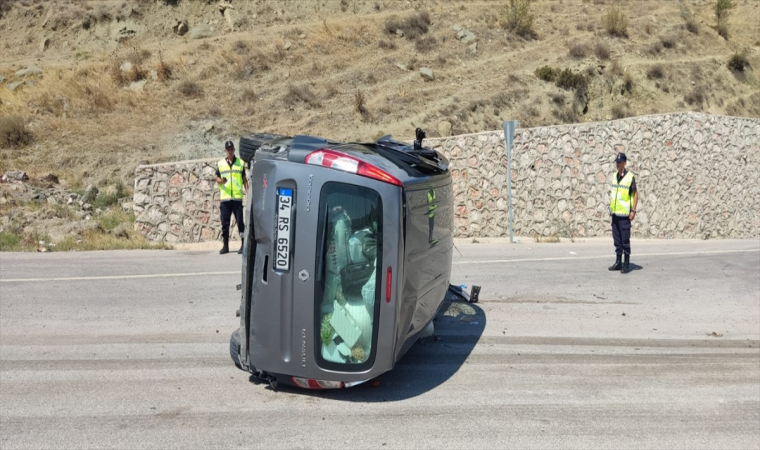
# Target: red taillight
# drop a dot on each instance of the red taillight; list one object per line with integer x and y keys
{"x": 388, "y": 284}
{"x": 337, "y": 160}
{"x": 317, "y": 384}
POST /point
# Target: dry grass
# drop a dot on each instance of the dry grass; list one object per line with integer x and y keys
{"x": 621, "y": 110}
{"x": 615, "y": 22}
{"x": 190, "y": 89}
{"x": 248, "y": 96}
{"x": 360, "y": 106}
{"x": 301, "y": 94}
{"x": 602, "y": 51}
{"x": 424, "y": 44}
{"x": 697, "y": 96}
{"x": 579, "y": 51}
{"x": 14, "y": 133}
{"x": 412, "y": 27}
{"x": 163, "y": 69}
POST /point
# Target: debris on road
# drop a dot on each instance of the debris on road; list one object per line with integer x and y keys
{"x": 715, "y": 334}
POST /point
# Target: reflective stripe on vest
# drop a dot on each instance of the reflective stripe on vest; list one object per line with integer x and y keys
{"x": 620, "y": 196}
{"x": 233, "y": 188}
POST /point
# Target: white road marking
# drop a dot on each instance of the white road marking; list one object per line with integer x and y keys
{"x": 488, "y": 261}
{"x": 121, "y": 277}
{"x": 576, "y": 258}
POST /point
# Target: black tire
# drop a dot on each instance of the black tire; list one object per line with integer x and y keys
{"x": 235, "y": 348}
{"x": 249, "y": 145}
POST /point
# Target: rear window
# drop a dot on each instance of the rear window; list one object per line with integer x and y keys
{"x": 348, "y": 288}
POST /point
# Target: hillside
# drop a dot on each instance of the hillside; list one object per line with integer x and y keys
{"x": 104, "y": 85}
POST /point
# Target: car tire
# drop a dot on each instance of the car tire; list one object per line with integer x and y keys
{"x": 235, "y": 348}
{"x": 249, "y": 145}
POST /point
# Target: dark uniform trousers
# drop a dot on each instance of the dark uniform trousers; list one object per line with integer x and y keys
{"x": 621, "y": 234}
{"x": 229, "y": 207}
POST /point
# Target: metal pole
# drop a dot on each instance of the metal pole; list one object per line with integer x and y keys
{"x": 509, "y": 135}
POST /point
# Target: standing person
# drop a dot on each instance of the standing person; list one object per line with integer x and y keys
{"x": 623, "y": 200}
{"x": 230, "y": 176}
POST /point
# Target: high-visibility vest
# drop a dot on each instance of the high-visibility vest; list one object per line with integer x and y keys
{"x": 233, "y": 188}
{"x": 620, "y": 195}
{"x": 431, "y": 197}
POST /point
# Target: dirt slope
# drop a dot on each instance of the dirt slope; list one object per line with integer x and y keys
{"x": 334, "y": 68}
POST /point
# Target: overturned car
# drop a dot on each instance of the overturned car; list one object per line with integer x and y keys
{"x": 347, "y": 257}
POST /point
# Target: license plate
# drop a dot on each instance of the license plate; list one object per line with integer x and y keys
{"x": 284, "y": 222}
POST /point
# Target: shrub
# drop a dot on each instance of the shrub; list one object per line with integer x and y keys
{"x": 567, "y": 79}
{"x": 656, "y": 72}
{"x": 627, "y": 83}
{"x": 190, "y": 89}
{"x": 692, "y": 25}
{"x": 546, "y": 73}
{"x": 579, "y": 50}
{"x": 722, "y": 10}
{"x": 615, "y": 22}
{"x": 13, "y": 132}
{"x": 302, "y": 94}
{"x": 360, "y": 105}
{"x": 518, "y": 19}
{"x": 163, "y": 70}
{"x": 386, "y": 45}
{"x": 413, "y": 26}
{"x": 621, "y": 111}
{"x": 738, "y": 62}
{"x": 668, "y": 42}
{"x": 424, "y": 44}
{"x": 697, "y": 96}
{"x": 114, "y": 70}
{"x": 602, "y": 51}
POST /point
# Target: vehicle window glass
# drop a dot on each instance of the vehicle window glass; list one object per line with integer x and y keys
{"x": 347, "y": 296}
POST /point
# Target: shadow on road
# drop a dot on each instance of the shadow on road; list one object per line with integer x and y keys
{"x": 428, "y": 364}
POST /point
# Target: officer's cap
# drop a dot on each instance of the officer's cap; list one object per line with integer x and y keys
{"x": 620, "y": 158}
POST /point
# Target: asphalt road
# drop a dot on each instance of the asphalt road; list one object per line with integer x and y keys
{"x": 129, "y": 349}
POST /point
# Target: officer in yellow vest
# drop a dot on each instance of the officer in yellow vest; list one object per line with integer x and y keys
{"x": 230, "y": 176}
{"x": 623, "y": 200}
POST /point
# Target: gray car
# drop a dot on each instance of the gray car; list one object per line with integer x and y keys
{"x": 347, "y": 257}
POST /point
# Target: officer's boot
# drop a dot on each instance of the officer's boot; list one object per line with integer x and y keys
{"x": 225, "y": 247}
{"x": 626, "y": 264}
{"x": 242, "y": 241}
{"x": 617, "y": 265}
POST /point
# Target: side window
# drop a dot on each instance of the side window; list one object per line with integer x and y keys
{"x": 348, "y": 292}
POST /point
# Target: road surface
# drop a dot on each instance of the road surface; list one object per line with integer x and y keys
{"x": 129, "y": 349}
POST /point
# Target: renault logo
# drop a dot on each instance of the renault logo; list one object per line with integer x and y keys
{"x": 303, "y": 275}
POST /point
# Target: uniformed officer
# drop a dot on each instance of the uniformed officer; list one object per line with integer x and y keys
{"x": 230, "y": 176}
{"x": 623, "y": 200}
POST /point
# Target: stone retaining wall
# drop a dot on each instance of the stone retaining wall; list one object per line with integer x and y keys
{"x": 697, "y": 175}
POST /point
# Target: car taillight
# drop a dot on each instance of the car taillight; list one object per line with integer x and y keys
{"x": 336, "y": 160}
{"x": 388, "y": 284}
{"x": 307, "y": 383}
